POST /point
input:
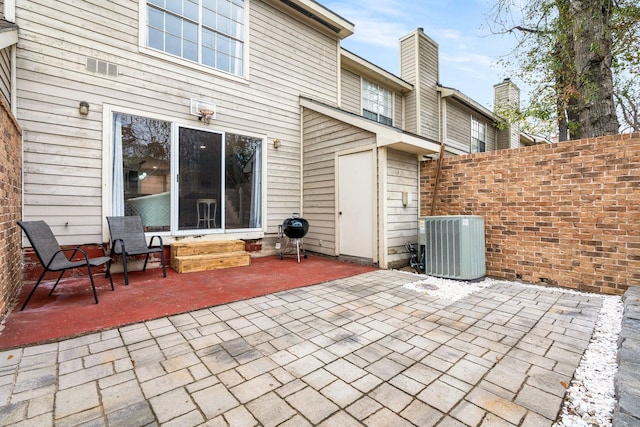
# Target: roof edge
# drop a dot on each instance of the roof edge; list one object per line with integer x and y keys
{"x": 317, "y": 15}
{"x": 353, "y": 62}
{"x": 448, "y": 92}
{"x": 386, "y": 136}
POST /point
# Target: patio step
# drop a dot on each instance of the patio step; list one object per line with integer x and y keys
{"x": 187, "y": 257}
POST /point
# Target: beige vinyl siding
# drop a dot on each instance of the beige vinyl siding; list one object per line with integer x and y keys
{"x": 351, "y": 96}
{"x": 492, "y": 137}
{"x": 397, "y": 110}
{"x": 429, "y": 108}
{"x": 323, "y": 137}
{"x": 5, "y": 73}
{"x": 63, "y": 150}
{"x": 458, "y": 127}
{"x": 507, "y": 138}
{"x": 503, "y": 139}
{"x": 458, "y": 123}
{"x": 408, "y": 72}
{"x": 402, "y": 222}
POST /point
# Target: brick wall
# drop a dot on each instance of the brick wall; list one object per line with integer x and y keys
{"x": 565, "y": 214}
{"x": 10, "y": 206}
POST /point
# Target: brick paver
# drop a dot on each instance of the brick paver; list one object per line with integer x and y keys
{"x": 357, "y": 351}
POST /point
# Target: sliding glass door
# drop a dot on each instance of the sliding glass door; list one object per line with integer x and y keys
{"x": 186, "y": 180}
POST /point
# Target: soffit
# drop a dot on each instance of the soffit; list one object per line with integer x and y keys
{"x": 315, "y": 15}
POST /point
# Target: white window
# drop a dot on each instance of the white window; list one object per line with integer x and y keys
{"x": 478, "y": 136}
{"x": 202, "y": 179}
{"x": 207, "y": 32}
{"x": 377, "y": 103}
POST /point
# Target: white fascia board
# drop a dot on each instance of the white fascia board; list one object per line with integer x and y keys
{"x": 316, "y": 14}
{"x": 8, "y": 37}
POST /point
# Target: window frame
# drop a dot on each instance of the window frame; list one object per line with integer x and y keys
{"x": 381, "y": 91}
{"x": 107, "y": 170}
{"x": 478, "y": 129}
{"x": 143, "y": 48}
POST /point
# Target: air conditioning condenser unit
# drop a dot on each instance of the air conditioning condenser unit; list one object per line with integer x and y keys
{"x": 454, "y": 246}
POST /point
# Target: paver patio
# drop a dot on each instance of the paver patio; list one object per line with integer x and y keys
{"x": 362, "y": 350}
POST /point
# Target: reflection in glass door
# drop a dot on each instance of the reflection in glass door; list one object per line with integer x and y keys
{"x": 199, "y": 179}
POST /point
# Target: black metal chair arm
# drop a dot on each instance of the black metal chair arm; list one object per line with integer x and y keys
{"x": 122, "y": 247}
{"x": 159, "y": 239}
{"x": 73, "y": 254}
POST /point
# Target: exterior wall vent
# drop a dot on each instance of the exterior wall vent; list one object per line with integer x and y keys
{"x": 454, "y": 246}
{"x": 102, "y": 67}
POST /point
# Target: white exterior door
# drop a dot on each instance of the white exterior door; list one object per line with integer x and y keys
{"x": 356, "y": 186}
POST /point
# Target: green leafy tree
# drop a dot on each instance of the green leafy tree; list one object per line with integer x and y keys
{"x": 569, "y": 51}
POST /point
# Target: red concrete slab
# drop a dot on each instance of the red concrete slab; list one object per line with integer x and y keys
{"x": 71, "y": 311}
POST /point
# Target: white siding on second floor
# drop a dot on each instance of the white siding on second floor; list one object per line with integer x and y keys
{"x": 398, "y": 111}
{"x": 457, "y": 123}
{"x": 286, "y": 59}
{"x": 428, "y": 81}
{"x": 408, "y": 71}
{"x": 351, "y": 88}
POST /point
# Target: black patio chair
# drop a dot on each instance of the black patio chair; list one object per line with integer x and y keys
{"x": 127, "y": 239}
{"x": 53, "y": 258}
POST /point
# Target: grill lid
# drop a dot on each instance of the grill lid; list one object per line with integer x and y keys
{"x": 295, "y": 227}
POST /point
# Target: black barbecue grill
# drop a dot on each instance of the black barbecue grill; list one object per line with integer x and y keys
{"x": 294, "y": 229}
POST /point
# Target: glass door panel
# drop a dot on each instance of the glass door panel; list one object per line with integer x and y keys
{"x": 243, "y": 182}
{"x": 141, "y": 170}
{"x": 199, "y": 179}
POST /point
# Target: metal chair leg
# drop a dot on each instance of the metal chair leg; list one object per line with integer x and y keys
{"x": 57, "y": 281}
{"x": 124, "y": 268}
{"x": 33, "y": 290}
{"x": 146, "y": 259}
{"x": 93, "y": 286}
{"x": 164, "y": 267}
{"x": 109, "y": 275}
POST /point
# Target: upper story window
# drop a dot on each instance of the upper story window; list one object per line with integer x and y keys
{"x": 478, "y": 136}
{"x": 207, "y": 32}
{"x": 377, "y": 103}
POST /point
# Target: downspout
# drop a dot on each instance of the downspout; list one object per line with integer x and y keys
{"x": 418, "y": 85}
{"x": 435, "y": 186}
{"x": 339, "y": 75}
{"x": 9, "y": 12}
{"x": 301, "y": 161}
{"x": 14, "y": 81}
{"x": 442, "y": 117}
{"x": 381, "y": 178}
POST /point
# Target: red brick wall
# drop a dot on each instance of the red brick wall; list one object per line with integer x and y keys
{"x": 10, "y": 206}
{"x": 565, "y": 214}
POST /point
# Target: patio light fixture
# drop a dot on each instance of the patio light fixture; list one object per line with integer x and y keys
{"x": 83, "y": 108}
{"x": 276, "y": 143}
